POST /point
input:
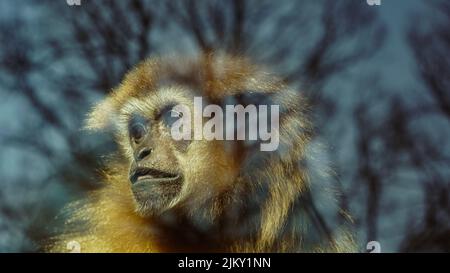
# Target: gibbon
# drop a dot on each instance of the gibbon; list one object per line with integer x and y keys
{"x": 166, "y": 195}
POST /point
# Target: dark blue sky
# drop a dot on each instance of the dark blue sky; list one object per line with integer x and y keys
{"x": 396, "y": 58}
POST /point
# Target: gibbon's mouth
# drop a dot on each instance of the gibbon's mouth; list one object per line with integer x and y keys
{"x": 153, "y": 190}
{"x": 149, "y": 174}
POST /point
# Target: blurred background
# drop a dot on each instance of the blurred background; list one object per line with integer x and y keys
{"x": 377, "y": 76}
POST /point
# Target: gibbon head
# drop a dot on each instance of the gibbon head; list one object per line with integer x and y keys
{"x": 197, "y": 176}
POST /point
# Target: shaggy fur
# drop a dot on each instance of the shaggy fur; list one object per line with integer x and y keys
{"x": 234, "y": 197}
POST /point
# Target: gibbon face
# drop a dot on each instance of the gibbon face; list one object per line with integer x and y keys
{"x": 156, "y": 176}
{"x": 165, "y": 173}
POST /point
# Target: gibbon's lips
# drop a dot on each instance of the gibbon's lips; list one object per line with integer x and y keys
{"x": 149, "y": 174}
{"x": 153, "y": 189}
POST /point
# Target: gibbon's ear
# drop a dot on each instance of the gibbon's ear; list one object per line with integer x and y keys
{"x": 101, "y": 116}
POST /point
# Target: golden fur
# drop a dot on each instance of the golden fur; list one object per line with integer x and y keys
{"x": 264, "y": 189}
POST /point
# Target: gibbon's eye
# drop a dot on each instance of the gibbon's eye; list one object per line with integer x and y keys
{"x": 137, "y": 127}
{"x": 169, "y": 115}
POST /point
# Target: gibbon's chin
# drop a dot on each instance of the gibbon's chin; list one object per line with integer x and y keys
{"x": 154, "y": 195}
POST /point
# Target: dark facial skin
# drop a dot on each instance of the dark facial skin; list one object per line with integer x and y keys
{"x": 154, "y": 173}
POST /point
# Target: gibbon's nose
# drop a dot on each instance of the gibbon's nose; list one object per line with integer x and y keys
{"x": 142, "y": 153}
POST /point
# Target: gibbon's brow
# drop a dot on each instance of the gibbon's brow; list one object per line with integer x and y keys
{"x": 166, "y": 108}
{"x": 136, "y": 118}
